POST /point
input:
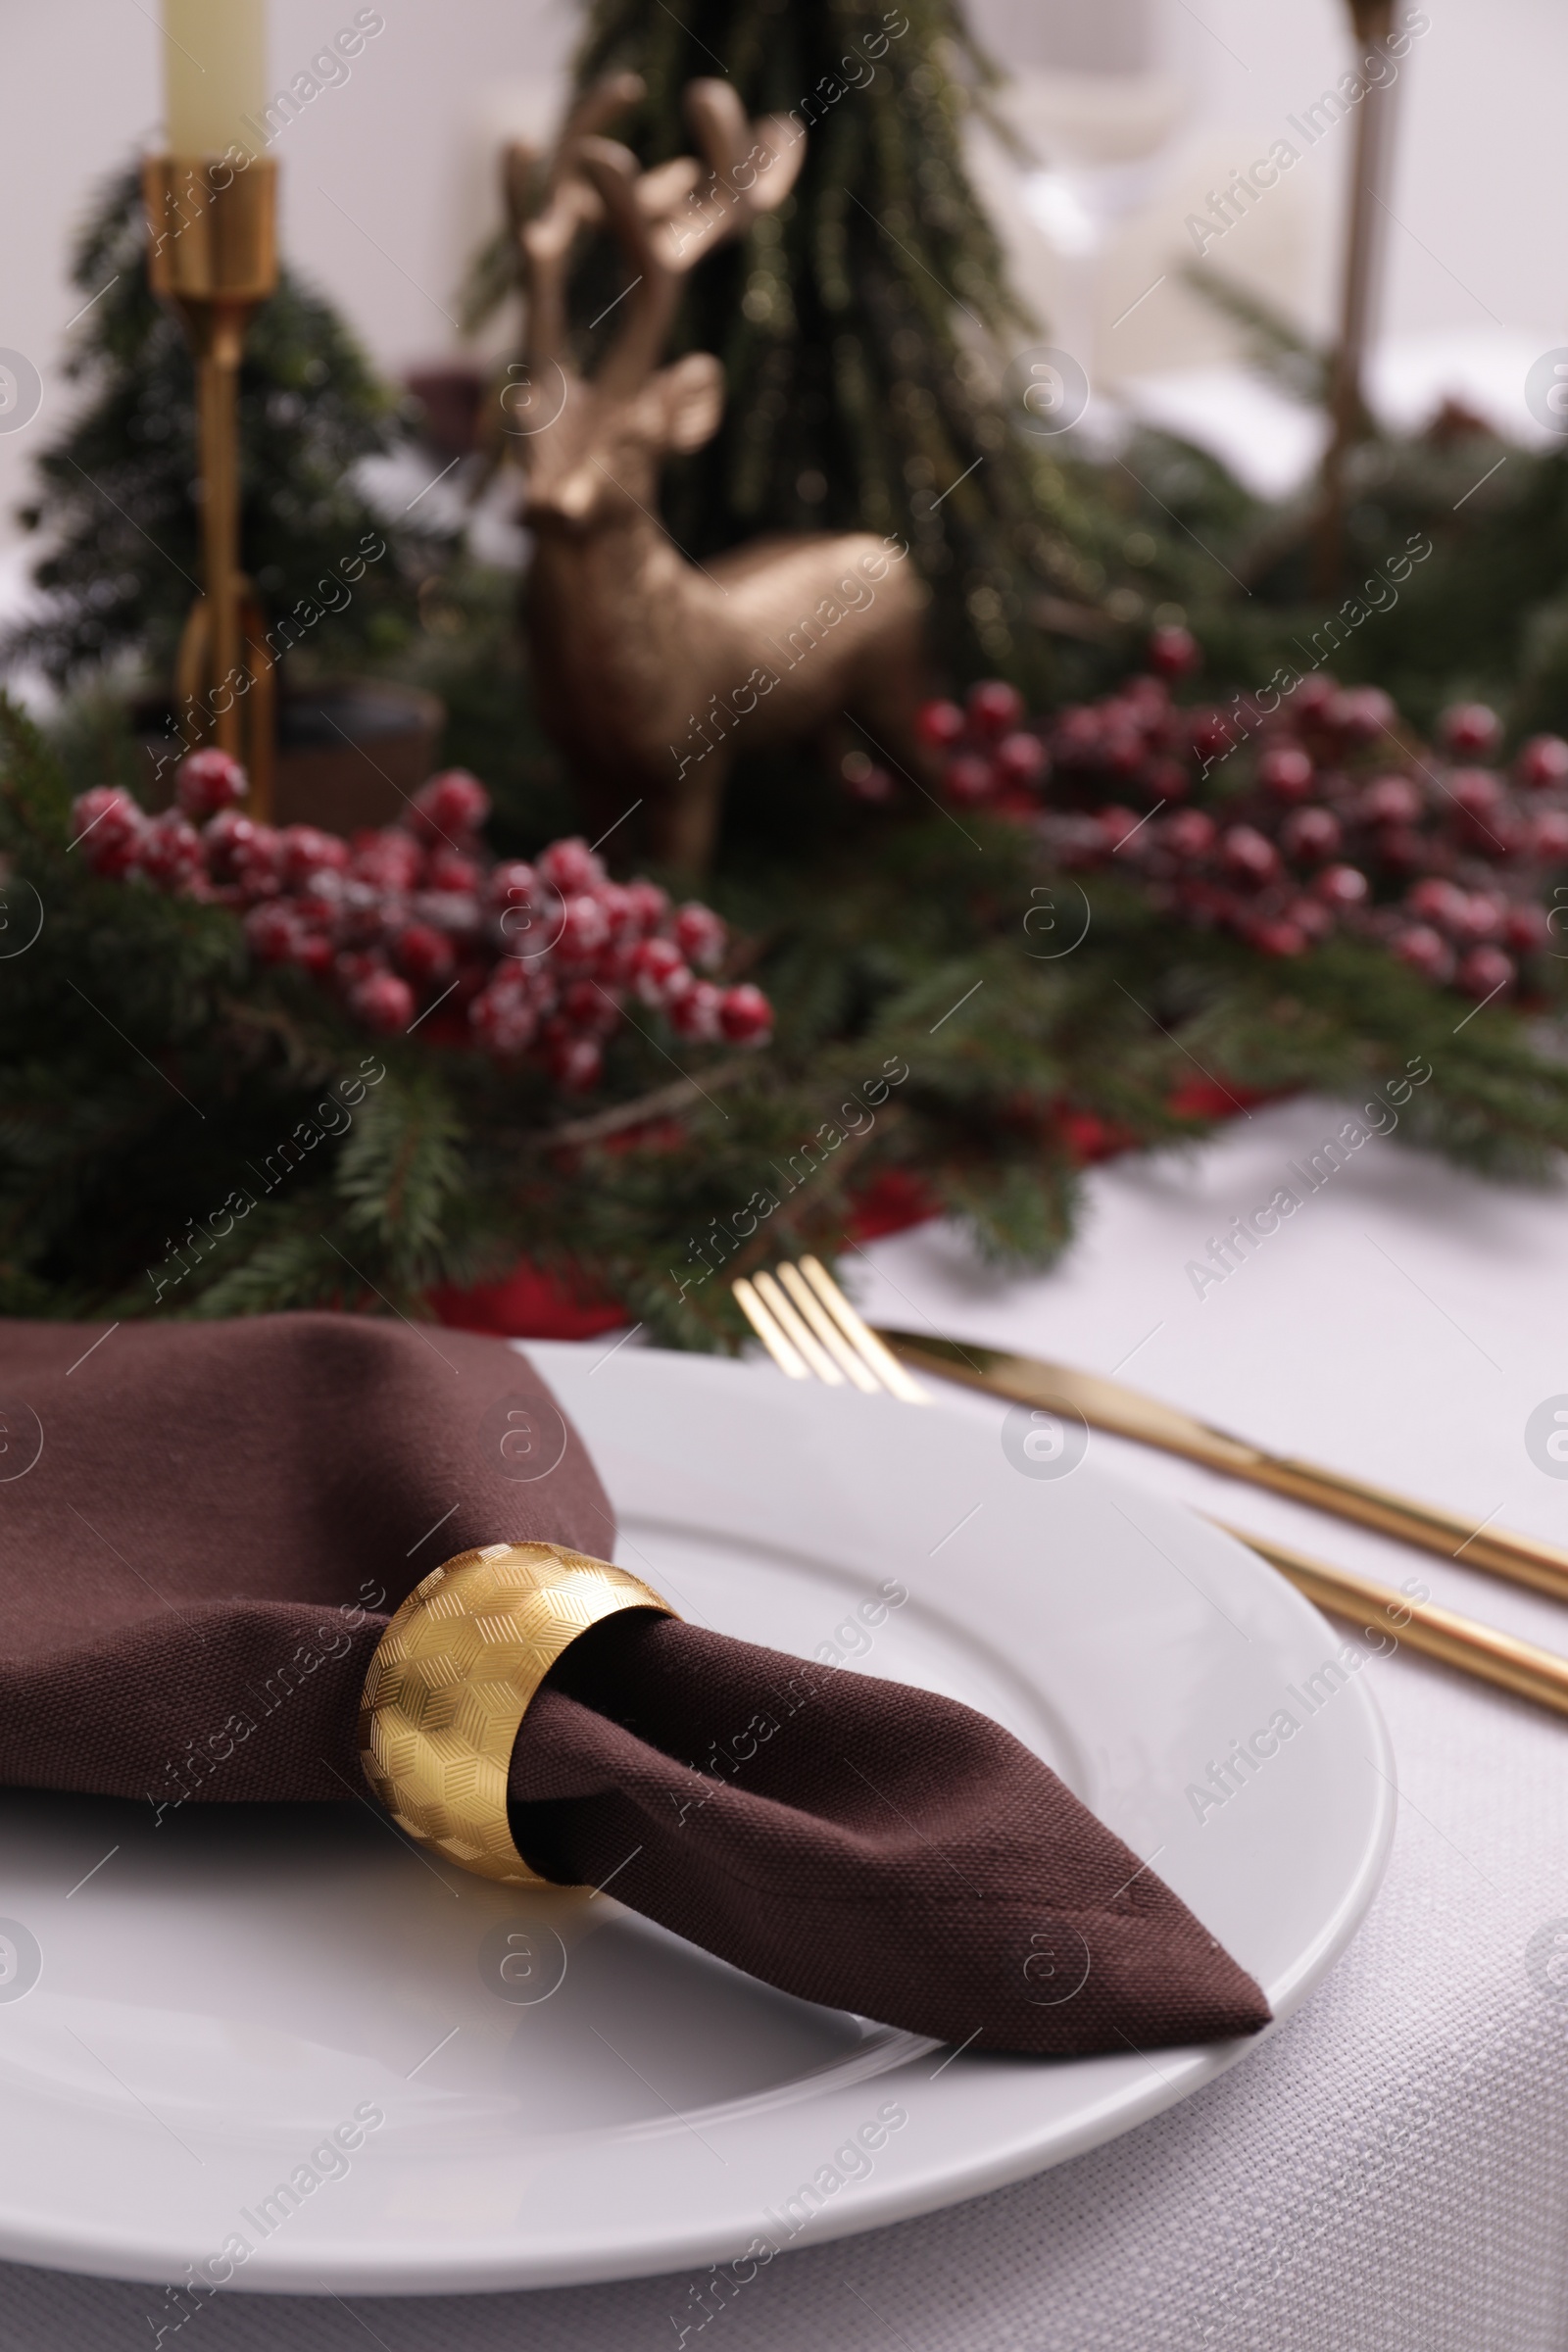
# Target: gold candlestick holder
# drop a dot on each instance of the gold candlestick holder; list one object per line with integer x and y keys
{"x": 212, "y": 257}
{"x": 1373, "y": 25}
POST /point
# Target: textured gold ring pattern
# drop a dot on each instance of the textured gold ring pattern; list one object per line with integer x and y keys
{"x": 451, "y": 1681}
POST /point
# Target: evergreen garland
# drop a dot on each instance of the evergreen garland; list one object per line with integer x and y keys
{"x": 150, "y": 1075}
{"x": 150, "y": 1081}
{"x": 1486, "y": 619}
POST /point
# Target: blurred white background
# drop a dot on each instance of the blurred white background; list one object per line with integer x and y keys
{"x": 1144, "y": 104}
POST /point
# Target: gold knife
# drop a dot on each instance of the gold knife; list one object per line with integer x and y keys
{"x": 1458, "y": 1641}
{"x": 1128, "y": 1413}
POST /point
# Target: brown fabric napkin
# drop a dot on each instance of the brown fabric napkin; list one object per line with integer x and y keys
{"x": 205, "y": 1529}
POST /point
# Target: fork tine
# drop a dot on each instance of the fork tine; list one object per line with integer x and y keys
{"x": 788, "y": 1360}
{"x": 796, "y": 1331}
{"x": 827, "y": 1331}
{"x": 881, "y": 1359}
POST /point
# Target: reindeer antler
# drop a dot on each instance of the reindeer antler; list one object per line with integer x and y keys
{"x": 770, "y": 153}
{"x": 667, "y": 218}
{"x": 546, "y": 223}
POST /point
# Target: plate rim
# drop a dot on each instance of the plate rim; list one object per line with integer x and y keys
{"x": 400, "y": 2265}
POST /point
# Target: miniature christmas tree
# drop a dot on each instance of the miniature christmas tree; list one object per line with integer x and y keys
{"x": 862, "y": 327}
{"x": 115, "y": 507}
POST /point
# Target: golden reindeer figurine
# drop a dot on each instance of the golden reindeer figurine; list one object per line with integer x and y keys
{"x": 652, "y": 670}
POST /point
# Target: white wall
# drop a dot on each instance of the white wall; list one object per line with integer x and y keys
{"x": 1481, "y": 232}
{"x": 1475, "y": 240}
{"x": 387, "y": 180}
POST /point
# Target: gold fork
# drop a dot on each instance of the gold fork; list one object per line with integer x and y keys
{"x": 812, "y": 1333}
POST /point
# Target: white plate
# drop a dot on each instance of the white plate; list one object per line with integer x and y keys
{"x": 229, "y": 1988}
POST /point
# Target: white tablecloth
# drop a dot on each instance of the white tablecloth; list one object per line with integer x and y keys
{"x": 1387, "y": 2173}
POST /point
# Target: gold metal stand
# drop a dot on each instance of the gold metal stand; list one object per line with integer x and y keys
{"x": 212, "y": 254}
{"x": 1373, "y": 21}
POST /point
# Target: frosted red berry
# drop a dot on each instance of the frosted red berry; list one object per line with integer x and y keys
{"x": 505, "y": 1018}
{"x": 1547, "y": 836}
{"x": 1390, "y": 801}
{"x": 701, "y": 936}
{"x": 1310, "y": 835}
{"x": 657, "y": 963}
{"x": 308, "y": 852}
{"x": 584, "y": 929}
{"x": 647, "y": 906}
{"x": 1342, "y": 886}
{"x": 746, "y": 1015}
{"x": 570, "y": 867}
{"x": 1021, "y": 758}
{"x": 258, "y": 863}
{"x": 1543, "y": 763}
{"x": 170, "y": 853}
{"x": 1481, "y": 915}
{"x": 382, "y": 1002}
{"x": 940, "y": 725}
{"x": 1173, "y": 653}
{"x": 1277, "y": 937}
{"x": 1190, "y": 834}
{"x": 1312, "y": 696}
{"x": 1285, "y": 771}
{"x": 697, "y": 1012}
{"x": 423, "y": 954}
{"x": 1527, "y": 927}
{"x": 1484, "y": 972}
{"x": 1426, "y": 950}
{"x": 1470, "y": 729}
{"x": 452, "y": 804}
{"x": 1211, "y": 735}
{"x": 272, "y": 931}
{"x": 512, "y": 883}
{"x": 208, "y": 781}
{"x": 107, "y": 826}
{"x": 391, "y": 859}
{"x": 451, "y": 870}
{"x": 969, "y": 779}
{"x": 994, "y": 709}
{"x": 1360, "y": 713}
{"x": 1248, "y": 853}
{"x": 1116, "y": 826}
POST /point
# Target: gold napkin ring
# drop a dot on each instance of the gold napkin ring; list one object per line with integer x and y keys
{"x": 451, "y": 1681}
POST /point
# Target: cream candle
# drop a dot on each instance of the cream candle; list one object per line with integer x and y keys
{"x": 214, "y": 72}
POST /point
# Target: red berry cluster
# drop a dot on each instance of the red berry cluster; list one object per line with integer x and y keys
{"x": 540, "y": 960}
{"x": 1331, "y": 818}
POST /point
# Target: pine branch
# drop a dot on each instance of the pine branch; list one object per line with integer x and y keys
{"x": 400, "y": 1170}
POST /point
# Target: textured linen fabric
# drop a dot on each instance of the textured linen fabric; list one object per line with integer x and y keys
{"x": 293, "y": 1477}
{"x": 888, "y": 1851}
{"x": 1388, "y": 2172}
{"x": 275, "y": 1468}
{"x": 1385, "y": 2173}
